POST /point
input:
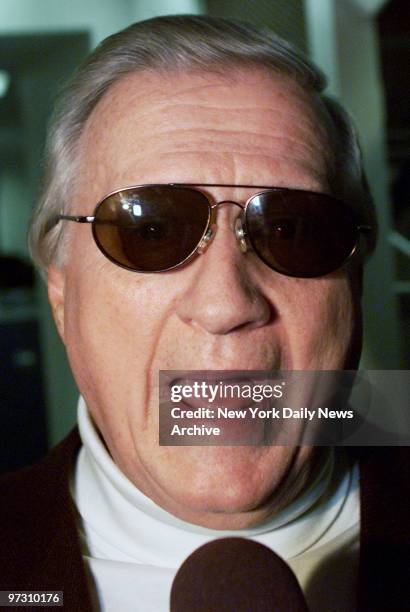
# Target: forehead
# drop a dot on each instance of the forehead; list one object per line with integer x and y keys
{"x": 191, "y": 127}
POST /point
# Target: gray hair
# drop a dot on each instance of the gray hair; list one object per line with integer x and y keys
{"x": 172, "y": 43}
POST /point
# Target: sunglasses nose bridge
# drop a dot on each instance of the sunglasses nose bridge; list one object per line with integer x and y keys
{"x": 238, "y": 230}
{"x": 222, "y": 202}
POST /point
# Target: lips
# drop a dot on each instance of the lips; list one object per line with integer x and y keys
{"x": 231, "y": 431}
{"x": 200, "y": 393}
{"x": 211, "y": 390}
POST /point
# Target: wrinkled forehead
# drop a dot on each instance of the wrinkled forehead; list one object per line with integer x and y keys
{"x": 147, "y": 119}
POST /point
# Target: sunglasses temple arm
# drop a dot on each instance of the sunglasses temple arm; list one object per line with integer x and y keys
{"x": 75, "y": 218}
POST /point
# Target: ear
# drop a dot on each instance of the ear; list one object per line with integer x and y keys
{"x": 56, "y": 293}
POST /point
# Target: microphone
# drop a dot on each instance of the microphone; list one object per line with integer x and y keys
{"x": 236, "y": 575}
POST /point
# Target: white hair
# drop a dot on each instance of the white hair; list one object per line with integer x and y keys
{"x": 175, "y": 43}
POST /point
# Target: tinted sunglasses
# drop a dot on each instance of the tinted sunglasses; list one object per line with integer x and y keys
{"x": 156, "y": 228}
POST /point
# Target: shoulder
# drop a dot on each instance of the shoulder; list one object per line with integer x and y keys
{"x": 385, "y": 528}
{"x": 46, "y": 481}
{"x": 38, "y": 519}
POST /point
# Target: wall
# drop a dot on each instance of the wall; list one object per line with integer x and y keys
{"x": 14, "y": 210}
{"x": 284, "y": 17}
{"x": 343, "y": 42}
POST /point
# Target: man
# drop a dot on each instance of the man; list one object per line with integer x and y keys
{"x": 167, "y": 280}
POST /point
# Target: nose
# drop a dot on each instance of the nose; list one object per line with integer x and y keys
{"x": 223, "y": 296}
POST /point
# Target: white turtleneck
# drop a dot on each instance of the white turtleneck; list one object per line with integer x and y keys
{"x": 134, "y": 548}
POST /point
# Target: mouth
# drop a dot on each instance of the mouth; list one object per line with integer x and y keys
{"x": 216, "y": 388}
{"x": 205, "y": 401}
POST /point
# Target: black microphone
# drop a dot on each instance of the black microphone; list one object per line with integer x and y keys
{"x": 236, "y": 575}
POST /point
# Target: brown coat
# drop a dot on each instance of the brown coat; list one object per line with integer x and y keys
{"x": 40, "y": 547}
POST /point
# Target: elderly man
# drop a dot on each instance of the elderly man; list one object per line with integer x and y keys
{"x": 172, "y": 156}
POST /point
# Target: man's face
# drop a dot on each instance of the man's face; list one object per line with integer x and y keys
{"x": 224, "y": 310}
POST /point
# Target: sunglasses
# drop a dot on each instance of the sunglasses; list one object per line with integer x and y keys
{"x": 156, "y": 228}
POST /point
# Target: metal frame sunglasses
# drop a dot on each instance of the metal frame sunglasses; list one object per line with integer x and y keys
{"x": 155, "y": 228}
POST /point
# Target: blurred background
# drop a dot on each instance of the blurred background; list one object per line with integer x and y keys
{"x": 364, "y": 48}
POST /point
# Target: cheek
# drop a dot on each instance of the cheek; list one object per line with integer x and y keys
{"x": 325, "y": 319}
{"x": 112, "y": 323}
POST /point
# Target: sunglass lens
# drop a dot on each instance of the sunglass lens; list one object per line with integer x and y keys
{"x": 300, "y": 233}
{"x": 151, "y": 229}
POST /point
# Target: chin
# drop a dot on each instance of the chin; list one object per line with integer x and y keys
{"x": 229, "y": 508}
{"x": 231, "y": 487}
{"x": 231, "y": 497}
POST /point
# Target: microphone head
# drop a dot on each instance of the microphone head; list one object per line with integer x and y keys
{"x": 236, "y": 575}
